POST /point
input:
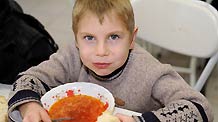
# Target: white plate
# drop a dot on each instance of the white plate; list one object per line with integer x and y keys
{"x": 77, "y": 88}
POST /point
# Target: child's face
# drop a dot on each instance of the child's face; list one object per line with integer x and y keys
{"x": 103, "y": 47}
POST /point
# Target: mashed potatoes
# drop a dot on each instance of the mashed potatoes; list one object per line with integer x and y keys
{"x": 107, "y": 117}
{"x": 3, "y": 109}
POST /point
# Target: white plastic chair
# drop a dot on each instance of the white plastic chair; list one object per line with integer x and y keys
{"x": 188, "y": 27}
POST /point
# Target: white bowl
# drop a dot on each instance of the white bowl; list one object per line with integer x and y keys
{"x": 77, "y": 88}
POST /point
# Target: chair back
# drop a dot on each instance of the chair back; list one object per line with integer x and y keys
{"x": 188, "y": 27}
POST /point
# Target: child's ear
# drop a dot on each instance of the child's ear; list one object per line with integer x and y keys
{"x": 133, "y": 38}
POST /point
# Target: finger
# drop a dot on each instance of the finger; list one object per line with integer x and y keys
{"x": 45, "y": 117}
{"x": 120, "y": 116}
{"x": 124, "y": 118}
{"x": 31, "y": 118}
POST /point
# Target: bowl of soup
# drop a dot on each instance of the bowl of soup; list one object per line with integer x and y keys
{"x": 82, "y": 101}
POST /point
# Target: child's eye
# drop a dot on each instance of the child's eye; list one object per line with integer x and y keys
{"x": 114, "y": 37}
{"x": 88, "y": 37}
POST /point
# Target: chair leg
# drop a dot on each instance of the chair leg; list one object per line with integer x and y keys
{"x": 193, "y": 67}
{"x": 206, "y": 72}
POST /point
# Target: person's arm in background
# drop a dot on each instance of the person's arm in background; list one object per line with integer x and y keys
{"x": 4, "y": 10}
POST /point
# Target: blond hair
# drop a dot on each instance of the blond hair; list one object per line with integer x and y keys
{"x": 122, "y": 9}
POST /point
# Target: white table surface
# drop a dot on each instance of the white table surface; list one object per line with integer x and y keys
{"x": 5, "y": 89}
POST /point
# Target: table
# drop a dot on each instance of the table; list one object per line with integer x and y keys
{"x": 5, "y": 89}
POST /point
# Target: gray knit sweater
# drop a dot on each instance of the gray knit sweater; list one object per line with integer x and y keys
{"x": 144, "y": 85}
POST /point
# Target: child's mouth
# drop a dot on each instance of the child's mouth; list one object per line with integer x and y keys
{"x": 101, "y": 65}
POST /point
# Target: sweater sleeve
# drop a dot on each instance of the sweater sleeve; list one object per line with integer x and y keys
{"x": 62, "y": 67}
{"x": 179, "y": 101}
{"x": 26, "y": 89}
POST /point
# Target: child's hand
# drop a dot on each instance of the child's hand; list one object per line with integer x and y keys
{"x": 33, "y": 112}
{"x": 124, "y": 118}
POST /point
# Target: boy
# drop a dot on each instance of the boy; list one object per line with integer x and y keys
{"x": 103, "y": 54}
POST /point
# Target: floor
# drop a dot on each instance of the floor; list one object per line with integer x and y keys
{"x": 55, "y": 15}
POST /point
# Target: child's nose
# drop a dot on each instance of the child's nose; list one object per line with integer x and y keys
{"x": 102, "y": 49}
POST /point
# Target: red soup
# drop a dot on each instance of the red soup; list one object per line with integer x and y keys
{"x": 82, "y": 108}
